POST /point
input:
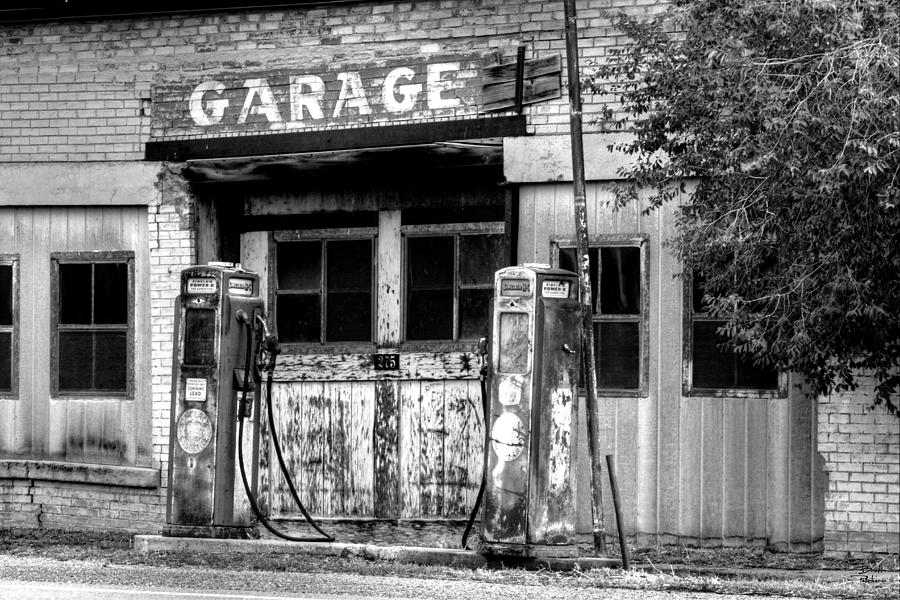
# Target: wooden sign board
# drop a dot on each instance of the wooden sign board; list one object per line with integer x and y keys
{"x": 540, "y": 77}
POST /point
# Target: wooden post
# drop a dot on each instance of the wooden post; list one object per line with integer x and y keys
{"x": 581, "y": 233}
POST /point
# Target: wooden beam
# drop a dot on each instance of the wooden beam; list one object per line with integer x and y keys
{"x": 336, "y": 139}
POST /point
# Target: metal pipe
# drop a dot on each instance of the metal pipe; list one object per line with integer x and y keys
{"x": 614, "y": 487}
{"x": 581, "y": 233}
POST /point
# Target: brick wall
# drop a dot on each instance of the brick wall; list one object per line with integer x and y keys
{"x": 861, "y": 449}
{"x": 80, "y": 91}
{"x": 172, "y": 247}
{"x": 62, "y": 505}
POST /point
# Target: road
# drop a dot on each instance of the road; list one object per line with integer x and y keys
{"x": 340, "y": 587}
{"x": 23, "y": 578}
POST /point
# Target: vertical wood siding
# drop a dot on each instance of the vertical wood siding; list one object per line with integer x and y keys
{"x": 714, "y": 471}
{"x": 328, "y": 433}
{"x": 36, "y": 424}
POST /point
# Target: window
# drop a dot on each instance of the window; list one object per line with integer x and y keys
{"x": 450, "y": 281}
{"x": 324, "y": 289}
{"x": 93, "y": 303}
{"x": 618, "y": 289}
{"x": 8, "y": 318}
{"x": 712, "y": 369}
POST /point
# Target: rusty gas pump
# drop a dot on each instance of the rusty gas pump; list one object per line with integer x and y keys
{"x": 207, "y": 380}
{"x": 529, "y": 504}
{"x": 221, "y": 349}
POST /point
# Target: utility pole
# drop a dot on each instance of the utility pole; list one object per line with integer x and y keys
{"x": 581, "y": 233}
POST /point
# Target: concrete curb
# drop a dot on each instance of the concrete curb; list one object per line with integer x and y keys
{"x": 447, "y": 557}
{"x": 468, "y": 559}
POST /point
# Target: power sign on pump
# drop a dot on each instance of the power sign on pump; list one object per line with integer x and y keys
{"x": 310, "y": 99}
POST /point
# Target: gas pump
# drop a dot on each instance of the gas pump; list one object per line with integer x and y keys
{"x": 529, "y": 505}
{"x": 220, "y": 327}
{"x": 207, "y": 381}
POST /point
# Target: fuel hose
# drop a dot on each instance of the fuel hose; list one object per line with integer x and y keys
{"x": 287, "y": 477}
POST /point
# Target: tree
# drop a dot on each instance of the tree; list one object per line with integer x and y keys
{"x": 786, "y": 115}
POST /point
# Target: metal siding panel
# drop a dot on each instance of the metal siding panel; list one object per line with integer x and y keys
{"x": 711, "y": 457}
{"x": 756, "y": 491}
{"x": 734, "y": 470}
{"x": 40, "y": 330}
{"x": 801, "y": 473}
{"x": 627, "y": 466}
{"x": 691, "y": 467}
{"x": 137, "y": 418}
{"x": 527, "y": 224}
{"x": 778, "y": 479}
{"x": 665, "y": 374}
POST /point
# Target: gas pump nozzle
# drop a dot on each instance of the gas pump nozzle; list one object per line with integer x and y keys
{"x": 269, "y": 348}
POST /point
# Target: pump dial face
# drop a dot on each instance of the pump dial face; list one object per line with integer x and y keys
{"x": 194, "y": 431}
{"x": 508, "y": 437}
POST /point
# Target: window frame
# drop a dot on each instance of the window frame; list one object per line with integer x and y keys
{"x": 616, "y": 240}
{"x": 12, "y": 260}
{"x": 444, "y": 230}
{"x": 92, "y": 258}
{"x": 689, "y": 317}
{"x": 339, "y": 234}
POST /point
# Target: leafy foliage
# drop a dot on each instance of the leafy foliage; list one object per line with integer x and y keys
{"x": 785, "y": 114}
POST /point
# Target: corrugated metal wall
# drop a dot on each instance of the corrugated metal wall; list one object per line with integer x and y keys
{"x": 712, "y": 471}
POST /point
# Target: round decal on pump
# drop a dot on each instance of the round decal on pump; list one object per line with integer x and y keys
{"x": 194, "y": 431}
{"x": 508, "y": 437}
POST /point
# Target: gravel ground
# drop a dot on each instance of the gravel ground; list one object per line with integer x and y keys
{"x": 342, "y": 584}
{"x": 108, "y": 560}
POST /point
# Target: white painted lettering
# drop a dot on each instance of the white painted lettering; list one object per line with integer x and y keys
{"x": 310, "y": 100}
{"x": 438, "y": 85}
{"x": 266, "y": 106}
{"x": 352, "y": 94}
{"x": 409, "y": 93}
{"x": 212, "y": 111}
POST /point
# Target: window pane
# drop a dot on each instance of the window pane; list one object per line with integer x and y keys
{"x": 618, "y": 355}
{"x": 750, "y": 376}
{"x": 92, "y": 361}
{"x": 111, "y": 293}
{"x": 429, "y": 315}
{"x": 298, "y": 318}
{"x": 6, "y": 295}
{"x": 199, "y": 336}
{"x": 349, "y": 265}
{"x": 620, "y": 283}
{"x": 479, "y": 257}
{"x": 712, "y": 368}
{"x": 299, "y": 266}
{"x": 76, "y": 360}
{"x": 430, "y": 262}
{"x": 112, "y": 355}
{"x": 75, "y": 293}
{"x": 429, "y": 305}
{"x": 5, "y": 361}
{"x": 474, "y": 313}
{"x": 349, "y": 317}
{"x": 514, "y": 343}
